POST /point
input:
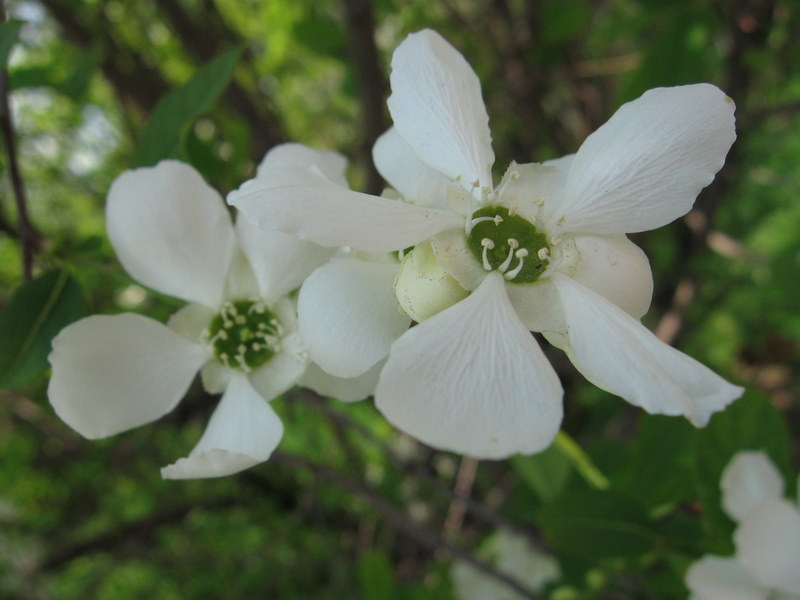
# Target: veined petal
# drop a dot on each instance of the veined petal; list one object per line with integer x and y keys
{"x": 617, "y": 269}
{"x": 331, "y": 164}
{"x": 308, "y": 205}
{"x": 618, "y": 354}
{"x": 537, "y": 305}
{"x": 242, "y": 432}
{"x": 114, "y": 373}
{"x": 452, "y": 251}
{"x": 279, "y": 260}
{"x": 747, "y": 481}
{"x": 472, "y": 379}
{"x": 346, "y": 390}
{"x": 190, "y": 321}
{"x": 405, "y": 172}
{"x": 646, "y": 165}
{"x": 282, "y": 371}
{"x": 718, "y": 578}
{"x": 768, "y": 544}
{"x": 348, "y": 315}
{"x": 536, "y": 191}
{"x": 437, "y": 107}
{"x": 171, "y": 231}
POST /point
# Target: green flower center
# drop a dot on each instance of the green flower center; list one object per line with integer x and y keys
{"x": 244, "y": 335}
{"x": 506, "y": 242}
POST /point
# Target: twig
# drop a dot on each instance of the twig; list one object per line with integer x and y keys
{"x": 405, "y": 523}
{"x": 462, "y": 490}
{"x": 28, "y": 236}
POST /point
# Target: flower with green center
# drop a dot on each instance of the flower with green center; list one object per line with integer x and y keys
{"x": 173, "y": 233}
{"x": 543, "y": 251}
{"x": 767, "y": 538}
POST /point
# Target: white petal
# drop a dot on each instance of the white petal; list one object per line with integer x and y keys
{"x": 348, "y": 315}
{"x": 452, "y": 251}
{"x": 473, "y": 380}
{"x": 618, "y": 354}
{"x": 718, "y": 578}
{"x": 331, "y": 164}
{"x": 768, "y": 544}
{"x": 538, "y": 305}
{"x": 436, "y": 105}
{"x": 617, "y": 269}
{"x": 535, "y": 191}
{"x": 242, "y": 432}
{"x": 313, "y": 208}
{"x": 405, "y": 172}
{"x": 190, "y": 321}
{"x": 646, "y": 165}
{"x": 346, "y": 390}
{"x": 283, "y": 370}
{"x": 747, "y": 481}
{"x": 171, "y": 231}
{"x": 114, "y": 373}
{"x": 280, "y": 261}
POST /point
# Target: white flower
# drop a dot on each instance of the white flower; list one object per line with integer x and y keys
{"x": 766, "y": 565}
{"x": 511, "y": 554}
{"x": 173, "y": 233}
{"x": 545, "y": 251}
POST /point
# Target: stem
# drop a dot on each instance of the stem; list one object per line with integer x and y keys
{"x": 581, "y": 461}
{"x": 28, "y": 237}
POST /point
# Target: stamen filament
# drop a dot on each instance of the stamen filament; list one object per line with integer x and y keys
{"x": 512, "y": 245}
{"x": 487, "y": 245}
{"x": 520, "y": 254}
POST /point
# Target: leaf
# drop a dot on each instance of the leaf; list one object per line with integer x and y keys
{"x": 545, "y": 473}
{"x": 28, "y": 323}
{"x": 9, "y": 32}
{"x": 176, "y": 110}
{"x": 597, "y": 525}
{"x": 375, "y": 576}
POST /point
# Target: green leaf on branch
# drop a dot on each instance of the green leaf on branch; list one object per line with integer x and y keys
{"x": 9, "y": 32}
{"x": 545, "y": 473}
{"x": 29, "y": 322}
{"x": 375, "y": 576}
{"x": 163, "y": 136}
{"x": 596, "y": 525}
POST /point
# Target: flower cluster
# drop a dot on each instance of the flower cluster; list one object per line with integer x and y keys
{"x": 767, "y": 538}
{"x": 319, "y": 285}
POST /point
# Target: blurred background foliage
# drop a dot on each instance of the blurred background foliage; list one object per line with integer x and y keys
{"x": 349, "y": 507}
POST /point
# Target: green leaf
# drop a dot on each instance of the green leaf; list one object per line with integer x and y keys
{"x": 179, "y": 108}
{"x": 597, "y": 525}
{"x": 545, "y": 473}
{"x": 375, "y": 576}
{"x": 9, "y": 32}
{"x": 33, "y": 316}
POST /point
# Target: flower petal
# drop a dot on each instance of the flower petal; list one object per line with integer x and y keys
{"x": 646, "y": 165}
{"x": 537, "y": 305}
{"x": 473, "y": 380}
{"x": 768, "y": 544}
{"x": 190, "y": 321}
{"x": 618, "y": 354}
{"x": 331, "y": 164}
{"x": 405, "y": 172}
{"x": 452, "y": 251}
{"x": 308, "y": 205}
{"x": 242, "y": 432}
{"x": 348, "y": 315}
{"x": 747, "y": 481}
{"x": 436, "y": 105}
{"x": 279, "y": 260}
{"x": 282, "y": 371}
{"x": 617, "y": 269}
{"x": 114, "y": 373}
{"x": 346, "y": 390}
{"x": 171, "y": 231}
{"x": 718, "y": 578}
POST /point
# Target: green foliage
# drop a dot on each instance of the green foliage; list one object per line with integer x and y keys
{"x": 9, "y": 31}
{"x": 163, "y": 136}
{"x": 32, "y": 318}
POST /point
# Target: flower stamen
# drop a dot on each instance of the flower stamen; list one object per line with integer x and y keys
{"x": 520, "y": 254}
{"x": 512, "y": 245}
{"x": 487, "y": 245}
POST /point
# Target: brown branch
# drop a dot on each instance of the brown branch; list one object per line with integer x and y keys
{"x": 29, "y": 238}
{"x": 400, "y": 519}
{"x": 370, "y": 80}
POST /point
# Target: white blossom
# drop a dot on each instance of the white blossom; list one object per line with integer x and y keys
{"x": 172, "y": 233}
{"x": 544, "y": 251}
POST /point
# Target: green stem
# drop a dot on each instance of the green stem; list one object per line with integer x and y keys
{"x": 581, "y": 461}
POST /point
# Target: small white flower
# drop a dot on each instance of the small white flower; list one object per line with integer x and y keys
{"x": 545, "y": 251}
{"x": 766, "y": 565}
{"x": 172, "y": 233}
{"x": 511, "y": 554}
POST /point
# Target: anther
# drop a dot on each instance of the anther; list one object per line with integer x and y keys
{"x": 512, "y": 245}
{"x": 543, "y": 254}
{"x": 555, "y": 241}
{"x": 514, "y": 174}
{"x": 241, "y": 319}
{"x": 512, "y": 211}
{"x": 497, "y": 219}
{"x": 487, "y": 245}
{"x": 222, "y": 334}
{"x": 520, "y": 254}
{"x": 540, "y": 201}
